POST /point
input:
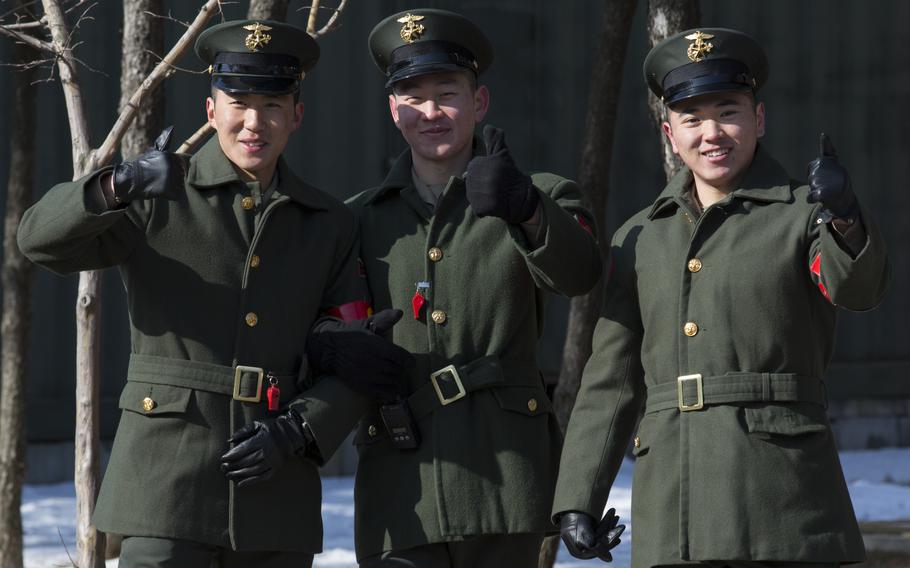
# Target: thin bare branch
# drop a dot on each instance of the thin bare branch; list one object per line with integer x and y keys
{"x": 28, "y": 40}
{"x": 24, "y": 6}
{"x": 311, "y": 21}
{"x": 177, "y": 67}
{"x": 170, "y": 18}
{"x": 25, "y": 66}
{"x": 189, "y": 146}
{"x": 104, "y": 154}
{"x": 25, "y": 25}
{"x": 333, "y": 21}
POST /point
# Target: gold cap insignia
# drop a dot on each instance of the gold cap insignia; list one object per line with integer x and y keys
{"x": 699, "y": 48}
{"x": 411, "y": 30}
{"x": 257, "y": 39}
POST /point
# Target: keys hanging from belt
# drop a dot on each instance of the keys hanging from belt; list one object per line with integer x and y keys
{"x": 419, "y": 300}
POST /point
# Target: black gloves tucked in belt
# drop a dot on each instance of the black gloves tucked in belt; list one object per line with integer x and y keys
{"x": 829, "y": 182}
{"x": 584, "y": 540}
{"x": 263, "y": 446}
{"x": 356, "y": 352}
{"x": 494, "y": 184}
{"x": 153, "y": 174}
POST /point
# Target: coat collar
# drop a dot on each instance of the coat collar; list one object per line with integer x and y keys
{"x": 210, "y": 168}
{"x": 399, "y": 177}
{"x": 765, "y": 181}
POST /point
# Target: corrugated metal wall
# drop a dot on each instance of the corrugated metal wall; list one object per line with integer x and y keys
{"x": 839, "y": 66}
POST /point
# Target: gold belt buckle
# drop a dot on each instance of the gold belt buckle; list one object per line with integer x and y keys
{"x": 434, "y": 379}
{"x": 699, "y": 392}
{"x": 238, "y": 372}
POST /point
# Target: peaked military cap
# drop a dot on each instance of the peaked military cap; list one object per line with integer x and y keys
{"x": 422, "y": 41}
{"x": 703, "y": 61}
{"x": 250, "y": 56}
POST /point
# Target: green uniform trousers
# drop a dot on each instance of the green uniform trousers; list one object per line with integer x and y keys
{"x": 486, "y": 551}
{"x": 149, "y": 552}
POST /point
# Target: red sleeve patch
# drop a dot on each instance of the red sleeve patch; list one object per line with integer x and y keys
{"x": 351, "y": 311}
{"x": 816, "y": 269}
{"x": 584, "y": 224}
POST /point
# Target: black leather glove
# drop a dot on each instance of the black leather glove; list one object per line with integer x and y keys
{"x": 154, "y": 174}
{"x": 494, "y": 184}
{"x": 356, "y": 352}
{"x": 263, "y": 446}
{"x": 829, "y": 182}
{"x": 585, "y": 540}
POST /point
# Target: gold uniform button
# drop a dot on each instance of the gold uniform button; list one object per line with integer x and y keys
{"x": 435, "y": 254}
{"x": 694, "y": 265}
{"x": 247, "y": 203}
{"x": 371, "y": 430}
{"x": 690, "y": 329}
{"x": 438, "y": 316}
{"x": 252, "y": 319}
{"x": 532, "y": 404}
{"x": 637, "y": 442}
{"x": 254, "y": 261}
{"x": 148, "y": 404}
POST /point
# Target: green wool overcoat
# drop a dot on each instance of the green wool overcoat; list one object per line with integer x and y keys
{"x": 487, "y": 462}
{"x": 738, "y": 303}
{"x": 213, "y": 281}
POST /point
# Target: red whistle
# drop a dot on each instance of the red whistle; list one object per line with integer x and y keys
{"x": 273, "y": 394}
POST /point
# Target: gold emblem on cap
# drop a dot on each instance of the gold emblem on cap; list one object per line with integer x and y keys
{"x": 699, "y": 48}
{"x": 257, "y": 39}
{"x": 411, "y": 30}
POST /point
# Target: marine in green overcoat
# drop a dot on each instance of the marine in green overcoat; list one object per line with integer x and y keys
{"x": 466, "y": 244}
{"x": 718, "y": 323}
{"x": 228, "y": 260}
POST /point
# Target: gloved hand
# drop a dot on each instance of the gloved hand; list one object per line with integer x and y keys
{"x": 153, "y": 174}
{"x": 494, "y": 184}
{"x": 584, "y": 540}
{"x": 263, "y": 446}
{"x": 829, "y": 182}
{"x": 356, "y": 352}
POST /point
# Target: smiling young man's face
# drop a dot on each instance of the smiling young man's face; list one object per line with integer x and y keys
{"x": 715, "y": 135}
{"x": 253, "y": 129}
{"x": 436, "y": 114}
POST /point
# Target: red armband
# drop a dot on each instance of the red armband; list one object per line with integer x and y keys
{"x": 351, "y": 311}
{"x": 816, "y": 269}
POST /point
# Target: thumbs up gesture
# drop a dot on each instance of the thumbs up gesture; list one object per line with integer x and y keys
{"x": 829, "y": 182}
{"x": 153, "y": 174}
{"x": 495, "y": 186}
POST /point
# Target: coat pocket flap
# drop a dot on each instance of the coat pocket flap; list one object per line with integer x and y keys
{"x": 153, "y": 399}
{"x": 791, "y": 419}
{"x": 530, "y": 401}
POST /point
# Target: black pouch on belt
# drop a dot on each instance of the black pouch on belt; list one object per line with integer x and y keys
{"x": 400, "y": 425}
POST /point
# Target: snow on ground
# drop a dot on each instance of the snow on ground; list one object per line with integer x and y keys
{"x": 879, "y": 482}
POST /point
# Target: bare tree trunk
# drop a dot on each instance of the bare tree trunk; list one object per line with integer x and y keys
{"x": 268, "y": 10}
{"x": 594, "y": 179}
{"x": 666, "y": 18}
{"x": 14, "y": 330}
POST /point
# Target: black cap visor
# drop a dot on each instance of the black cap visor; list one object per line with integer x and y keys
{"x": 428, "y": 57}
{"x": 706, "y": 77}
{"x": 705, "y": 86}
{"x": 251, "y": 84}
